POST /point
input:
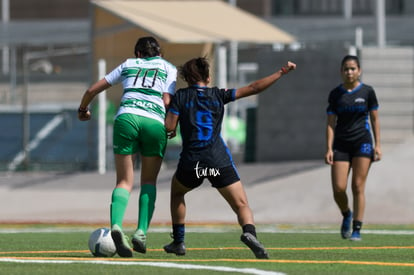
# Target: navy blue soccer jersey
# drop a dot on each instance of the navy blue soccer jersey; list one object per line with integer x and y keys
{"x": 352, "y": 110}
{"x": 201, "y": 111}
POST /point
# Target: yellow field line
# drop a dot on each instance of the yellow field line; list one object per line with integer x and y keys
{"x": 342, "y": 248}
{"x": 214, "y": 260}
{"x": 344, "y": 262}
{"x": 224, "y": 248}
{"x": 44, "y": 252}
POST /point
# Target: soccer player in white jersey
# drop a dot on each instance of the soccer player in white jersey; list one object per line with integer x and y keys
{"x": 148, "y": 82}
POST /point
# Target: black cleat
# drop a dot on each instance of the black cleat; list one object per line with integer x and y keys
{"x": 254, "y": 245}
{"x": 176, "y": 248}
{"x": 121, "y": 242}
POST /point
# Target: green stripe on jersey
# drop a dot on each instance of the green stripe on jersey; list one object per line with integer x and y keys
{"x": 130, "y": 71}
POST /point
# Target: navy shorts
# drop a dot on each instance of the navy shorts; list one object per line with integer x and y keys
{"x": 345, "y": 151}
{"x": 218, "y": 177}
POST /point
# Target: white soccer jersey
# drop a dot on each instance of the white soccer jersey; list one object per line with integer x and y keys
{"x": 144, "y": 81}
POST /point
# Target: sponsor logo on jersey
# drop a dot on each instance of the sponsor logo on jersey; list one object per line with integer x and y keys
{"x": 138, "y": 103}
{"x": 206, "y": 171}
{"x": 359, "y": 100}
{"x": 352, "y": 109}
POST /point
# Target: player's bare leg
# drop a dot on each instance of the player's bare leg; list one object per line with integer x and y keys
{"x": 360, "y": 168}
{"x": 178, "y": 212}
{"x": 235, "y": 195}
{"x": 124, "y": 165}
{"x": 177, "y": 201}
{"x": 339, "y": 173}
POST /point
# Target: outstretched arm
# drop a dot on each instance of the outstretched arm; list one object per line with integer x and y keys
{"x": 88, "y": 96}
{"x": 262, "y": 84}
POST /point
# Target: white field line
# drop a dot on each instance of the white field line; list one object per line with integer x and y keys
{"x": 154, "y": 264}
{"x": 204, "y": 230}
{"x": 43, "y": 133}
{"x": 364, "y": 231}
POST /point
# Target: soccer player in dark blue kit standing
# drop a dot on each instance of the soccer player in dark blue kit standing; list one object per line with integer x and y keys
{"x": 199, "y": 110}
{"x": 349, "y": 142}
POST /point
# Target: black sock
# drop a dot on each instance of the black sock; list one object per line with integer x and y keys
{"x": 178, "y": 233}
{"x": 249, "y": 228}
{"x": 356, "y": 225}
{"x": 347, "y": 213}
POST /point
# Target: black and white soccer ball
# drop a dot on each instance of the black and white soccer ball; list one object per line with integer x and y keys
{"x": 101, "y": 243}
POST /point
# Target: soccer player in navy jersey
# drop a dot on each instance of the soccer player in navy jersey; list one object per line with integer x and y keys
{"x": 199, "y": 110}
{"x": 349, "y": 142}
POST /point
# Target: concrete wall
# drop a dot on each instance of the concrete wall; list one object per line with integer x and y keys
{"x": 291, "y": 117}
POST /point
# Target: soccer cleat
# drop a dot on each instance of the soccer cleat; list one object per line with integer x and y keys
{"x": 346, "y": 226}
{"x": 254, "y": 245}
{"x": 356, "y": 236}
{"x": 176, "y": 248}
{"x": 139, "y": 241}
{"x": 121, "y": 242}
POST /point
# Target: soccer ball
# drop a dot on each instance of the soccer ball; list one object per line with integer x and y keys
{"x": 101, "y": 243}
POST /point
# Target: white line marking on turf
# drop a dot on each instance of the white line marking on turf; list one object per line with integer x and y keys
{"x": 155, "y": 264}
{"x": 328, "y": 231}
{"x": 205, "y": 230}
